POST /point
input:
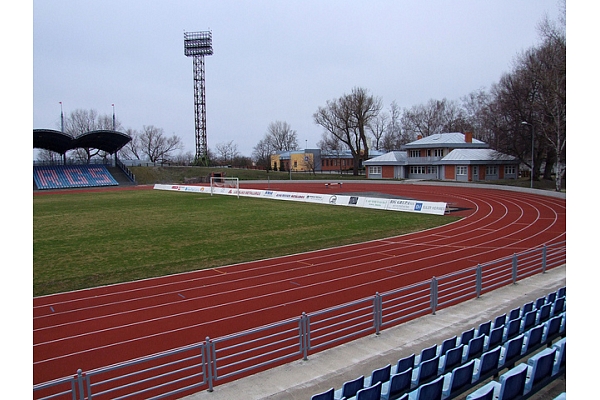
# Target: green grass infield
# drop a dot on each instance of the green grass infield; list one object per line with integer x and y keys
{"x": 83, "y": 240}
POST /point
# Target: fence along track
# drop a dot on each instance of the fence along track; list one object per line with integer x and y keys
{"x": 201, "y": 366}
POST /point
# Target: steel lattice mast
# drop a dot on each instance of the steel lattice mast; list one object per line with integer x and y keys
{"x": 198, "y": 45}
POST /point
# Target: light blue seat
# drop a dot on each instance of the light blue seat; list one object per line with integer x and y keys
{"x": 428, "y": 391}
{"x": 379, "y": 375}
{"x": 451, "y": 359}
{"x": 486, "y": 392}
{"x": 562, "y": 396}
{"x": 560, "y": 363}
{"x": 487, "y": 364}
{"x": 398, "y": 384}
{"x": 511, "y": 384}
{"x": 511, "y": 351}
{"x": 533, "y": 338}
{"x": 425, "y": 371}
{"x": 404, "y": 363}
{"x": 539, "y": 369}
{"x": 350, "y": 388}
{"x": 426, "y": 354}
{"x": 370, "y": 393}
{"x": 474, "y": 349}
{"x": 327, "y": 395}
{"x": 459, "y": 379}
{"x": 495, "y": 338}
{"x": 484, "y": 328}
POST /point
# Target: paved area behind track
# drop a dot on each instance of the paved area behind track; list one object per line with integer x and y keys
{"x": 331, "y": 368}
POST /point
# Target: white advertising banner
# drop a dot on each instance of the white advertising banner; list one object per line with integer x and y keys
{"x": 406, "y": 205}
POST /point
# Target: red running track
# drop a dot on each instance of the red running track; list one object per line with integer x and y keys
{"x": 102, "y": 326}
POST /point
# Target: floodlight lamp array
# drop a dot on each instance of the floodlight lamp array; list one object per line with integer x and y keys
{"x": 197, "y": 43}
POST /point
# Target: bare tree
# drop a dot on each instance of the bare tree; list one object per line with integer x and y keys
{"x": 281, "y": 137}
{"x": 227, "y": 152}
{"x": 82, "y": 121}
{"x": 347, "y": 118}
{"x": 156, "y": 146}
{"x": 262, "y": 152}
{"x": 394, "y": 137}
{"x": 378, "y": 128}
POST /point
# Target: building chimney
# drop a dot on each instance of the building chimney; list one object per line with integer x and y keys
{"x": 419, "y": 137}
{"x": 468, "y": 137}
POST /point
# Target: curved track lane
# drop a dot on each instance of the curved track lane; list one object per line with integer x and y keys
{"x": 92, "y": 328}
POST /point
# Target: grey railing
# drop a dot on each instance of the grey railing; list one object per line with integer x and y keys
{"x": 185, "y": 370}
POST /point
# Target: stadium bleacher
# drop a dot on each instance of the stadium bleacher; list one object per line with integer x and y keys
{"x": 525, "y": 336}
{"x": 72, "y": 176}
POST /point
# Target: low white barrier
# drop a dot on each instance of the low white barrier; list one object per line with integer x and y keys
{"x": 406, "y": 205}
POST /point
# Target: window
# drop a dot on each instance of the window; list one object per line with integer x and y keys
{"x": 375, "y": 170}
{"x": 417, "y": 169}
{"x": 510, "y": 170}
{"x": 431, "y": 169}
{"x": 491, "y": 170}
{"x": 438, "y": 152}
{"x": 414, "y": 153}
{"x": 461, "y": 170}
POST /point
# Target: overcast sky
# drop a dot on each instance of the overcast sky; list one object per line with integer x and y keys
{"x": 273, "y": 60}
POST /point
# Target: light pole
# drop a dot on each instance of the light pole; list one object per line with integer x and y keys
{"x": 532, "y": 148}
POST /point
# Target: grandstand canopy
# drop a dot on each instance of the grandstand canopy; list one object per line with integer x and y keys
{"x": 60, "y": 142}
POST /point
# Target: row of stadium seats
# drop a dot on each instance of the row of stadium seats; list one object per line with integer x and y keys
{"x": 462, "y": 363}
{"x": 72, "y": 176}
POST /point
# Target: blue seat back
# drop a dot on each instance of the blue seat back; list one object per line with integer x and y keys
{"x": 428, "y": 353}
{"x": 529, "y": 320}
{"x": 405, "y": 363}
{"x": 350, "y": 388}
{"x": 485, "y": 392}
{"x": 496, "y": 336}
{"x": 553, "y": 327}
{"x": 559, "y": 306}
{"x": 428, "y": 369}
{"x": 400, "y": 383}
{"x": 432, "y": 390}
{"x": 489, "y": 361}
{"x": 462, "y": 376}
{"x": 534, "y": 337}
{"x": 513, "y": 328}
{"x": 551, "y": 297}
{"x": 327, "y": 395}
{"x": 513, "y": 348}
{"x": 527, "y": 308}
{"x": 544, "y": 313}
{"x": 467, "y": 335}
{"x": 370, "y": 393}
{"x": 562, "y": 292}
{"x": 484, "y": 328}
{"x": 514, "y": 314}
{"x": 512, "y": 383}
{"x": 447, "y": 345}
{"x": 453, "y": 358}
{"x": 542, "y": 364}
{"x": 500, "y": 320}
{"x": 540, "y": 302}
{"x": 476, "y": 346}
{"x": 381, "y": 374}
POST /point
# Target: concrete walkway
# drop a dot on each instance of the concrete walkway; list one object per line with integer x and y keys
{"x": 331, "y": 368}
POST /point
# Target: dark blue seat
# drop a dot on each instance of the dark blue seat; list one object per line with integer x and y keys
{"x": 495, "y": 338}
{"x": 528, "y": 321}
{"x": 511, "y": 351}
{"x": 398, "y": 384}
{"x": 474, "y": 349}
{"x": 425, "y": 371}
{"x": 533, "y": 338}
{"x": 484, "y": 328}
{"x": 562, "y": 292}
{"x": 552, "y": 329}
{"x": 512, "y": 383}
{"x": 350, "y": 388}
{"x": 404, "y": 363}
{"x": 427, "y": 354}
{"x": 458, "y": 379}
{"x": 527, "y": 307}
{"x": 540, "y": 302}
{"x": 379, "y": 375}
{"x": 428, "y": 391}
{"x": 451, "y": 359}
{"x": 370, "y": 393}
{"x": 500, "y": 320}
{"x": 544, "y": 313}
{"x": 487, "y": 364}
{"x": 327, "y": 395}
{"x": 514, "y": 314}
{"x": 558, "y": 306}
{"x": 466, "y": 336}
{"x": 446, "y": 345}
{"x": 512, "y": 329}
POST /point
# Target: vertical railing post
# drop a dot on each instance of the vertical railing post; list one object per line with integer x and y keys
{"x": 80, "y": 384}
{"x": 377, "y": 313}
{"x": 515, "y": 263}
{"x": 544, "y": 254}
{"x": 208, "y": 363}
{"x": 478, "y": 280}
{"x": 304, "y": 335}
{"x": 434, "y": 294}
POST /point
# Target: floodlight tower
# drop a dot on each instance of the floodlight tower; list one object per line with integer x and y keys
{"x": 198, "y": 45}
